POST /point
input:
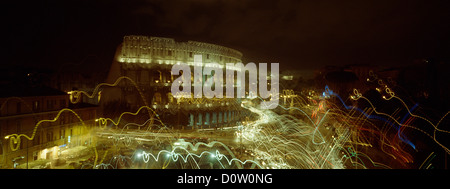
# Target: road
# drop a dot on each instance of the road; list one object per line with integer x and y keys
{"x": 270, "y": 141}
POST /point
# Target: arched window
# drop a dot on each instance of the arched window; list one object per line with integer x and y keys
{"x": 156, "y": 99}
{"x": 170, "y": 97}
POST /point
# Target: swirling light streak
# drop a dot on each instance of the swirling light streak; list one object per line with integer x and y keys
{"x": 358, "y": 95}
{"x": 173, "y": 156}
{"x": 15, "y": 138}
{"x": 104, "y": 121}
{"x": 275, "y": 146}
{"x": 77, "y": 94}
{"x": 330, "y": 137}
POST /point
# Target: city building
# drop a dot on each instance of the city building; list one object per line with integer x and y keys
{"x": 39, "y": 123}
{"x": 70, "y": 80}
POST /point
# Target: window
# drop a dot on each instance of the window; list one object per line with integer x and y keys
{"x": 61, "y": 119}
{"x": 49, "y": 105}
{"x": 170, "y": 97}
{"x": 19, "y": 107}
{"x": 49, "y": 136}
{"x": 62, "y": 133}
{"x": 169, "y": 53}
{"x": 62, "y": 103}
{"x": 19, "y": 125}
{"x": 37, "y": 139}
{"x": 36, "y": 106}
{"x": 190, "y": 54}
{"x": 157, "y": 99}
{"x": 207, "y": 56}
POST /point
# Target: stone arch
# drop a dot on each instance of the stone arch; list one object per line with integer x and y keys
{"x": 144, "y": 76}
{"x": 219, "y": 118}
{"x": 225, "y": 117}
{"x": 170, "y": 98}
{"x": 214, "y": 119}
{"x": 157, "y": 99}
{"x": 199, "y": 120}
{"x": 207, "y": 119}
{"x": 191, "y": 119}
{"x": 156, "y": 76}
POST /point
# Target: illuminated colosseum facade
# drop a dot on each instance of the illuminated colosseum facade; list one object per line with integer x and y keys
{"x": 148, "y": 62}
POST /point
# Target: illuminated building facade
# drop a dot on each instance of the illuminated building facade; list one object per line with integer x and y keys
{"x": 148, "y": 62}
{"x": 22, "y": 108}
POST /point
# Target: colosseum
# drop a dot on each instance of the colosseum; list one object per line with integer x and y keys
{"x": 147, "y": 62}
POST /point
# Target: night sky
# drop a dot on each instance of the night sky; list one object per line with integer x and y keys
{"x": 297, "y": 34}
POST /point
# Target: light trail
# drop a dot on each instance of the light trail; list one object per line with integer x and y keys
{"x": 269, "y": 136}
{"x": 317, "y": 134}
{"x": 15, "y": 138}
